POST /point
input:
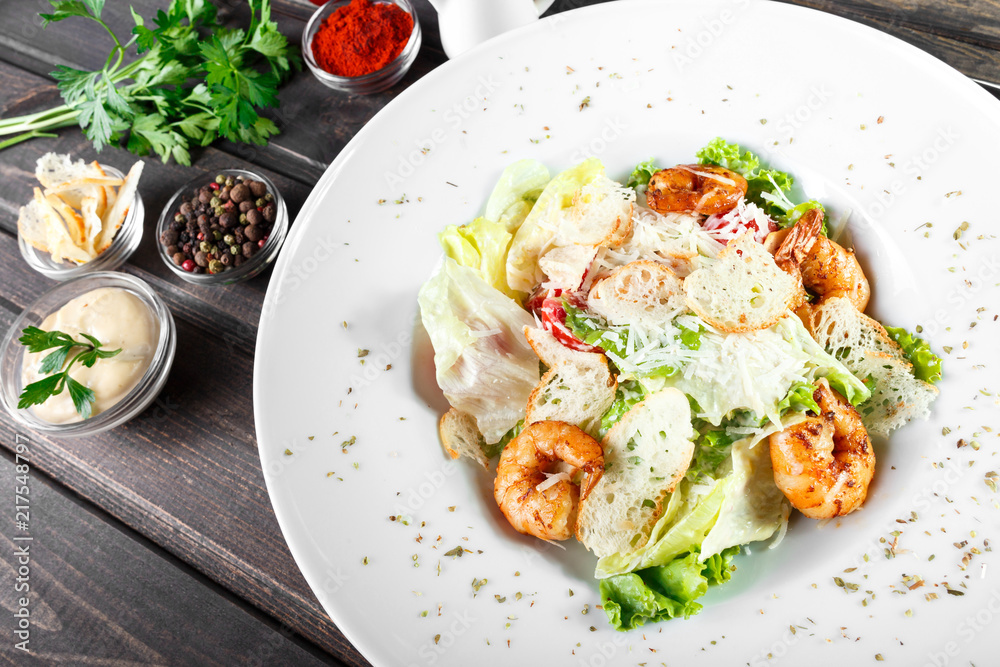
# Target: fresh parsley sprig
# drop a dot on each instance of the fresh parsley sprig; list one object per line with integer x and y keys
{"x": 193, "y": 82}
{"x": 38, "y": 340}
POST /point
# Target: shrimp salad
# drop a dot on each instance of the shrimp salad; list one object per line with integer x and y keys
{"x": 664, "y": 368}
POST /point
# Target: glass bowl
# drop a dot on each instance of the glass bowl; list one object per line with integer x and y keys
{"x": 122, "y": 246}
{"x": 12, "y": 355}
{"x": 377, "y": 81}
{"x": 249, "y": 268}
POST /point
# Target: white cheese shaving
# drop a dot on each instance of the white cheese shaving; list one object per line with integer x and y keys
{"x": 551, "y": 480}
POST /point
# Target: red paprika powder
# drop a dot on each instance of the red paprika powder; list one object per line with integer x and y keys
{"x": 361, "y": 38}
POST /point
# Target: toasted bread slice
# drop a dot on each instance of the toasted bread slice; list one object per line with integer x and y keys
{"x": 115, "y": 215}
{"x": 32, "y": 225}
{"x": 577, "y": 389}
{"x": 91, "y": 222}
{"x": 867, "y": 350}
{"x": 54, "y": 169}
{"x": 642, "y": 292}
{"x": 460, "y": 436}
{"x": 601, "y": 214}
{"x": 71, "y": 219}
{"x": 743, "y": 291}
{"x": 57, "y": 239}
{"x": 645, "y": 455}
{"x": 568, "y": 267}
{"x": 598, "y": 213}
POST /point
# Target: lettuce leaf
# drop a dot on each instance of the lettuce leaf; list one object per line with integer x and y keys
{"x": 484, "y": 365}
{"x": 538, "y": 228}
{"x": 481, "y": 245}
{"x": 641, "y": 174}
{"x": 629, "y": 393}
{"x": 686, "y": 521}
{"x": 515, "y": 193}
{"x": 711, "y": 449}
{"x": 495, "y": 449}
{"x": 663, "y": 592}
{"x": 754, "y": 507}
{"x": 926, "y": 364}
{"x": 799, "y": 399}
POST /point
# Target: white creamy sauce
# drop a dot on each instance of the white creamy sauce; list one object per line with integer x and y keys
{"x": 118, "y": 319}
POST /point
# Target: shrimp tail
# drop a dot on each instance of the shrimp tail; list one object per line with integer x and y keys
{"x": 797, "y": 245}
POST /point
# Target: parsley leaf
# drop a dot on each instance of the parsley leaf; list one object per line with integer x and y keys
{"x": 38, "y": 340}
{"x": 192, "y": 82}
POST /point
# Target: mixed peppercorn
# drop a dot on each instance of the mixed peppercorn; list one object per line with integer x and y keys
{"x": 221, "y": 225}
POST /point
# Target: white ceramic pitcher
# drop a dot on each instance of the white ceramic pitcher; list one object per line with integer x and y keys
{"x": 466, "y": 23}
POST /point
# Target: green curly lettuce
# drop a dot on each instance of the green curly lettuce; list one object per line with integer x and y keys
{"x": 663, "y": 592}
{"x": 926, "y": 364}
{"x": 641, "y": 174}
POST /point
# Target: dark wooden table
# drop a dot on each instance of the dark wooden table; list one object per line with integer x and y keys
{"x": 155, "y": 543}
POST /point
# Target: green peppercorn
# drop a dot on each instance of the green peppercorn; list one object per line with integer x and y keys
{"x": 179, "y": 218}
{"x": 243, "y": 218}
{"x": 230, "y": 182}
{"x": 215, "y": 266}
{"x": 260, "y": 202}
{"x": 234, "y": 250}
{"x": 214, "y": 202}
{"x": 220, "y": 179}
{"x": 216, "y": 234}
{"x": 229, "y": 239}
{"x": 205, "y": 247}
{"x": 268, "y": 197}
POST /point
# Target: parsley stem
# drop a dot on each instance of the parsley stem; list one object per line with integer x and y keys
{"x": 27, "y": 135}
{"x": 65, "y": 119}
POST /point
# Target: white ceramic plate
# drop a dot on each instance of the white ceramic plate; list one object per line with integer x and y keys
{"x": 882, "y": 132}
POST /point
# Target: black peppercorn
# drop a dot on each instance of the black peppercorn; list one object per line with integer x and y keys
{"x": 201, "y": 258}
{"x": 239, "y": 193}
{"x": 179, "y": 258}
{"x": 246, "y": 206}
{"x": 254, "y": 217}
{"x": 270, "y": 212}
{"x": 169, "y": 237}
{"x": 228, "y": 220}
{"x": 248, "y": 249}
{"x": 254, "y": 233}
{"x": 257, "y": 188}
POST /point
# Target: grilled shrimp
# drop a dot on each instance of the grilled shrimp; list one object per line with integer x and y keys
{"x": 826, "y": 268}
{"x": 533, "y": 505}
{"x": 824, "y": 464}
{"x": 695, "y": 188}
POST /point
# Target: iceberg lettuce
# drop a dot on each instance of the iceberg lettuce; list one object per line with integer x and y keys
{"x": 482, "y": 245}
{"x": 690, "y": 514}
{"x": 754, "y": 507}
{"x": 539, "y": 227}
{"x": 484, "y": 364}
{"x": 520, "y": 185}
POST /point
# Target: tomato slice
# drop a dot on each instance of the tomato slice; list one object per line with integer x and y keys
{"x": 548, "y": 306}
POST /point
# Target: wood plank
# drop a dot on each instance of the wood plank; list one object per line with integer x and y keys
{"x": 99, "y": 594}
{"x": 185, "y": 473}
